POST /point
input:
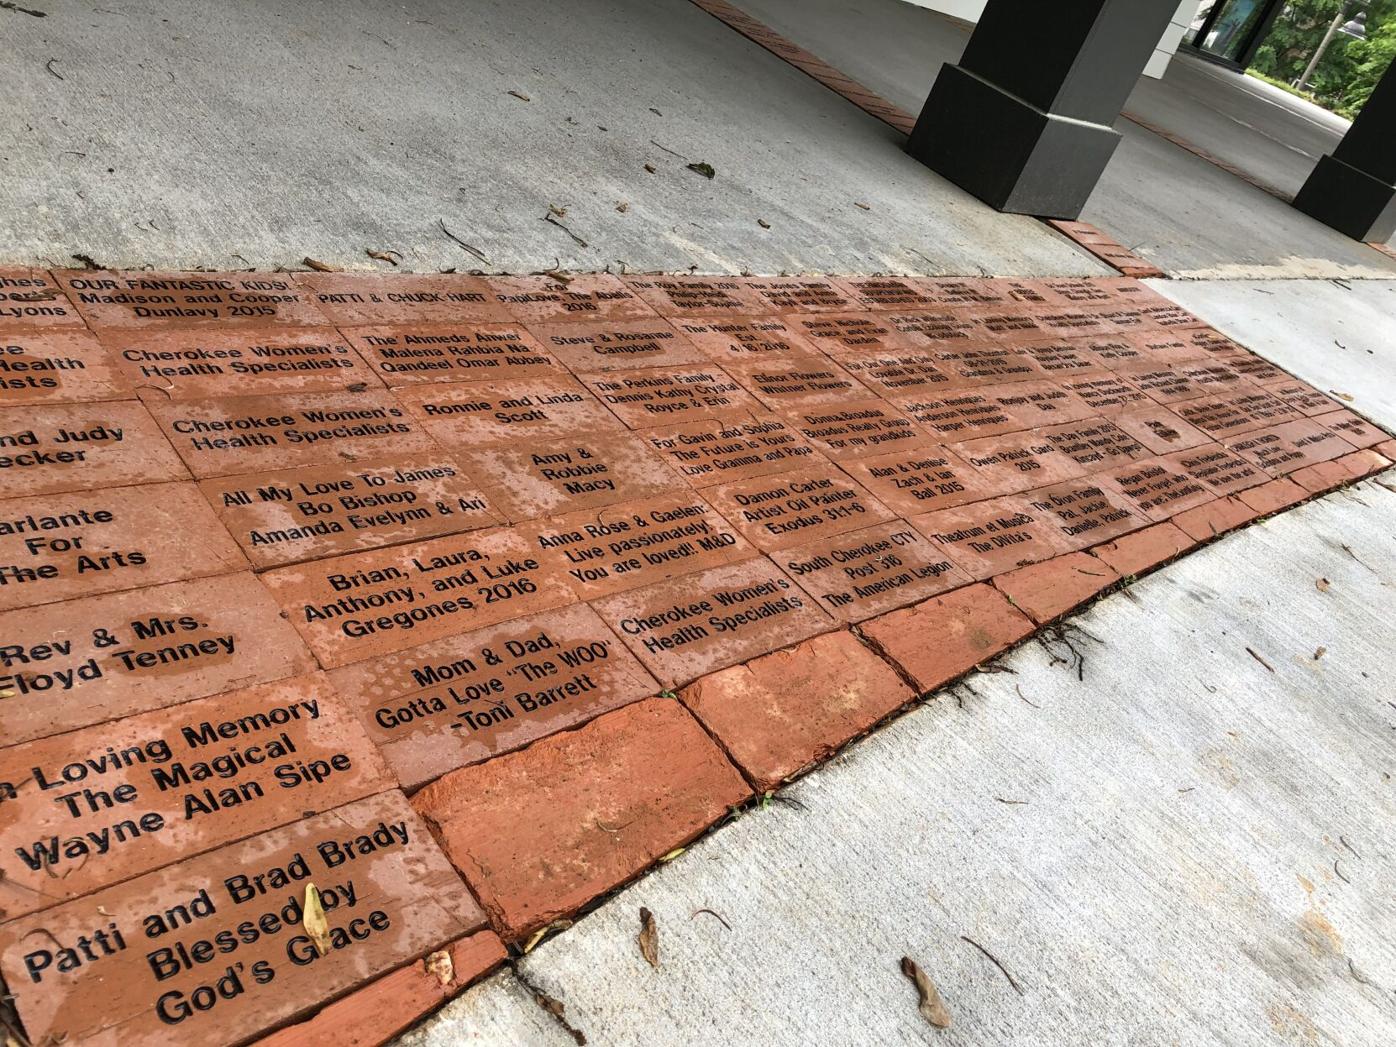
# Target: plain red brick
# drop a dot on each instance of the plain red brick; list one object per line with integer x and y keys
{"x": 787, "y": 710}
{"x": 1274, "y": 496}
{"x": 383, "y": 1009}
{"x": 943, "y": 638}
{"x": 1387, "y": 449}
{"x": 540, "y": 833}
{"x": 1138, "y": 552}
{"x": 1214, "y": 518}
{"x": 1327, "y": 475}
{"x": 1048, "y": 590}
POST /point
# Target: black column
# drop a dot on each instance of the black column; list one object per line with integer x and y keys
{"x": 1024, "y": 121}
{"x": 1354, "y": 188}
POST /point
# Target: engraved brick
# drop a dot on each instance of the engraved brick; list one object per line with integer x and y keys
{"x": 661, "y": 396}
{"x": 31, "y": 299}
{"x": 1158, "y": 488}
{"x": 52, "y": 448}
{"x": 727, "y": 341}
{"x": 547, "y": 477}
{"x": 860, "y": 574}
{"x": 989, "y": 537}
{"x": 290, "y": 515}
{"x": 728, "y": 446}
{"x": 144, "y": 299}
{"x": 797, "y": 506}
{"x": 685, "y": 627}
{"x": 799, "y": 294}
{"x": 102, "y": 657}
{"x": 857, "y": 429}
{"x": 846, "y": 335}
{"x": 484, "y": 413}
{"x": 366, "y": 604}
{"x": 46, "y": 366}
{"x": 1282, "y": 449}
{"x": 427, "y": 353}
{"x": 462, "y": 699}
{"x": 1015, "y": 462}
{"x": 1353, "y": 428}
{"x": 918, "y": 479}
{"x": 389, "y": 897}
{"x": 97, "y": 806}
{"x": 599, "y": 552}
{"x": 356, "y": 299}
{"x": 62, "y": 546}
{"x": 619, "y": 345}
{"x": 191, "y": 363}
{"x": 1083, "y": 512}
{"x": 796, "y": 382}
{"x": 251, "y": 434}
{"x": 1220, "y": 469}
{"x": 1160, "y": 429}
{"x": 695, "y": 295}
{"x": 544, "y": 299}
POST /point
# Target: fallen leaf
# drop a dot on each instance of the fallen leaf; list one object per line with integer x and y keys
{"x": 314, "y": 921}
{"x": 650, "y": 168}
{"x": 521, "y": 96}
{"x": 1322, "y": 585}
{"x": 1319, "y": 652}
{"x": 865, "y": 207}
{"x": 622, "y": 207}
{"x": 673, "y": 854}
{"x": 649, "y": 937}
{"x": 1343, "y": 396}
{"x": 383, "y": 256}
{"x": 763, "y": 223}
{"x": 319, "y": 266}
{"x": 560, "y": 212}
{"x": 543, "y": 932}
{"x": 703, "y": 168}
{"x": 931, "y": 1006}
{"x": 439, "y": 963}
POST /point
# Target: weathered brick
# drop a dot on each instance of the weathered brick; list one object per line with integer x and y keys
{"x": 1214, "y": 518}
{"x": 1048, "y": 590}
{"x": 1274, "y": 496}
{"x": 1143, "y": 550}
{"x": 942, "y": 638}
{"x": 787, "y": 710}
{"x": 540, "y": 833}
{"x": 381, "y": 1010}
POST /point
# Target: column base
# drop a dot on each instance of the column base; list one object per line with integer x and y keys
{"x": 1012, "y": 155}
{"x": 1349, "y": 200}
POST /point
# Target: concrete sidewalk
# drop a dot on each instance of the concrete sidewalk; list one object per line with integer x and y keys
{"x": 255, "y": 134}
{"x": 1184, "y": 214}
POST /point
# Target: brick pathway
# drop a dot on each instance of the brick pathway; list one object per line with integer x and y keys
{"x": 468, "y": 599}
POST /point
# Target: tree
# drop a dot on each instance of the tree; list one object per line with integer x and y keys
{"x": 1371, "y": 57}
{"x": 1299, "y": 30}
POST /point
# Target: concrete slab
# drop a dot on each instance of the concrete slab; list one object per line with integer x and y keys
{"x": 1180, "y": 212}
{"x": 256, "y": 134}
{"x": 1274, "y": 136}
{"x": 1184, "y": 844}
{"x": 1341, "y": 337}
